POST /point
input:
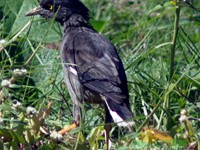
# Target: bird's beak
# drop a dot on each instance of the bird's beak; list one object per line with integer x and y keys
{"x": 35, "y": 11}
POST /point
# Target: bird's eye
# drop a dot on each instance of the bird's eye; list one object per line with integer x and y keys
{"x": 50, "y": 7}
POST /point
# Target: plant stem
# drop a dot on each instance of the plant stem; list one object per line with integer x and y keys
{"x": 173, "y": 46}
{"x": 173, "y": 49}
{"x": 150, "y": 115}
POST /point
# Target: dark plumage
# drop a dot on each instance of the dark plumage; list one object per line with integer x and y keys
{"x": 96, "y": 73}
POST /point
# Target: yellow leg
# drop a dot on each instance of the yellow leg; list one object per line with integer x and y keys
{"x": 68, "y": 128}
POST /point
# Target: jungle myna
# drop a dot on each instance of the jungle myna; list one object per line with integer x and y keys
{"x": 93, "y": 71}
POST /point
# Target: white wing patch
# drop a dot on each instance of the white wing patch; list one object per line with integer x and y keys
{"x": 116, "y": 118}
{"x": 72, "y": 70}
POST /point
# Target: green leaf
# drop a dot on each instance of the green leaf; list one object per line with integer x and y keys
{"x": 157, "y": 7}
{"x": 168, "y": 4}
{"x": 47, "y": 147}
{"x": 9, "y": 135}
{"x": 94, "y": 136}
{"x": 98, "y": 24}
{"x": 14, "y": 145}
{"x": 180, "y": 142}
{"x": 14, "y": 12}
{"x": 1, "y": 144}
{"x": 39, "y": 29}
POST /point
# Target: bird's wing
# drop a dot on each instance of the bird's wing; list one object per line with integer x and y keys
{"x": 98, "y": 66}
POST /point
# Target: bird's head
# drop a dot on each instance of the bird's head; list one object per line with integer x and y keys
{"x": 62, "y": 10}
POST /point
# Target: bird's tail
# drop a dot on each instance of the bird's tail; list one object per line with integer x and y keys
{"x": 120, "y": 113}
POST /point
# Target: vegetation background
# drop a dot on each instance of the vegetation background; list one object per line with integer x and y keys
{"x": 159, "y": 43}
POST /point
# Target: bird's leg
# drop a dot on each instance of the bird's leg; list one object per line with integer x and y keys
{"x": 77, "y": 117}
{"x": 107, "y": 127}
{"x": 68, "y": 128}
{"x": 107, "y": 136}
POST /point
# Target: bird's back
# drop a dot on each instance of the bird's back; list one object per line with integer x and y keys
{"x": 96, "y": 61}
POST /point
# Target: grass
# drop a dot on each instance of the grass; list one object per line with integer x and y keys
{"x": 158, "y": 43}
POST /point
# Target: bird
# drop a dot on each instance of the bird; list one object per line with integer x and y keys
{"x": 93, "y": 70}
